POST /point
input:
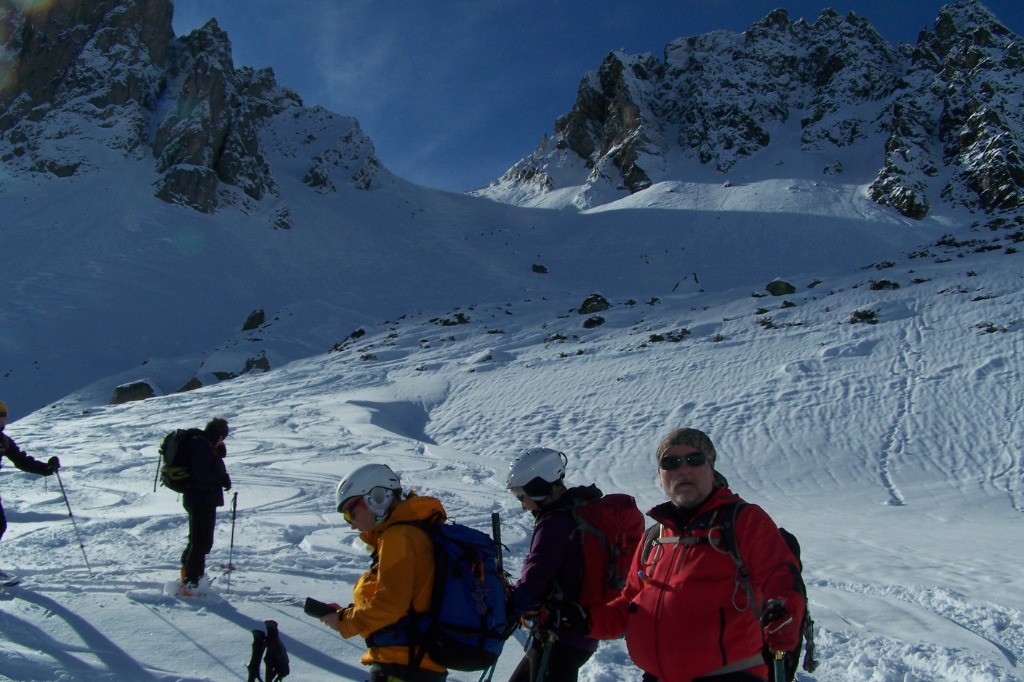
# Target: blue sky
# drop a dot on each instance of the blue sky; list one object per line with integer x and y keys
{"x": 454, "y": 92}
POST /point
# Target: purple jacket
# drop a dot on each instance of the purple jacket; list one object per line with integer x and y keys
{"x": 554, "y": 565}
{"x": 24, "y": 462}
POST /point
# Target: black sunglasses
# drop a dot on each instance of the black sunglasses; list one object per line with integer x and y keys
{"x": 673, "y": 462}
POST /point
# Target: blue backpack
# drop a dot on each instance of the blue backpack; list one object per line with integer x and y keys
{"x": 468, "y": 621}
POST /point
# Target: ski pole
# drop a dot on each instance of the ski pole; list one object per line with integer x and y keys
{"x": 780, "y": 665}
{"x": 774, "y": 618}
{"x": 231, "y": 549}
{"x": 156, "y": 478}
{"x": 496, "y": 532}
{"x": 73, "y": 524}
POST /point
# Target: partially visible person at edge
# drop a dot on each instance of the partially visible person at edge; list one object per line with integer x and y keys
{"x": 10, "y": 450}
{"x": 685, "y": 617}
{"x": 553, "y": 568}
{"x": 400, "y": 579}
{"x": 209, "y": 480}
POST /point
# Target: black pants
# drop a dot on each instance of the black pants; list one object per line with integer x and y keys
{"x": 390, "y": 672}
{"x": 202, "y": 519}
{"x": 3, "y": 521}
{"x": 563, "y": 665}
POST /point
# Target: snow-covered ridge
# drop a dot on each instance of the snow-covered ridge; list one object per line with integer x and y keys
{"x": 919, "y": 127}
{"x": 122, "y": 81}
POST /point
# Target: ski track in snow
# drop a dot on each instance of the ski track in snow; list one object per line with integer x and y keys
{"x": 894, "y": 441}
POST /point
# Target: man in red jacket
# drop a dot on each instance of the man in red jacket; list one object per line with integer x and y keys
{"x": 685, "y": 613}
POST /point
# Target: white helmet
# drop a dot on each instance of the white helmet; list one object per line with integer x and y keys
{"x": 543, "y": 463}
{"x": 377, "y": 484}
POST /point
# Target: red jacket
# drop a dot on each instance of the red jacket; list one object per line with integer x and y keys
{"x": 688, "y": 616}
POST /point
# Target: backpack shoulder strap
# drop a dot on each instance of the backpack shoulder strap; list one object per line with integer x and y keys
{"x": 726, "y": 543}
{"x": 731, "y": 545}
{"x": 583, "y": 525}
{"x": 654, "y": 536}
{"x": 651, "y": 536}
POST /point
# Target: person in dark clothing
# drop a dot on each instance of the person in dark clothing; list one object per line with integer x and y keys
{"x": 553, "y": 568}
{"x": 206, "y": 453}
{"x": 10, "y": 450}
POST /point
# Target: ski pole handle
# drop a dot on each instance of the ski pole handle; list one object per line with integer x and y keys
{"x": 496, "y": 533}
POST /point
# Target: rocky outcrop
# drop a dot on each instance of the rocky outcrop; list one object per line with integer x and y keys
{"x": 104, "y": 53}
{"x": 136, "y": 390}
{"x": 208, "y": 137}
{"x": 958, "y": 114}
{"x": 87, "y": 70}
{"x": 352, "y": 158}
{"x": 607, "y": 125}
{"x": 945, "y": 109}
{"x": 108, "y": 72}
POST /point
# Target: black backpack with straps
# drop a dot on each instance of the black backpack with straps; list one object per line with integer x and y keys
{"x": 725, "y": 523}
{"x": 175, "y": 467}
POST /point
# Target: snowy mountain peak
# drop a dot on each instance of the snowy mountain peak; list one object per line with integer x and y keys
{"x": 119, "y": 80}
{"x": 831, "y": 94}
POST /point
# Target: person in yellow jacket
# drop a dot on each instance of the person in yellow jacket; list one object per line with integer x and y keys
{"x": 401, "y": 575}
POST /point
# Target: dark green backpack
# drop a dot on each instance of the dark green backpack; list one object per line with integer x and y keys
{"x": 175, "y": 472}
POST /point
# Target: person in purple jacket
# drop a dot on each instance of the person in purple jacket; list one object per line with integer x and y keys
{"x": 10, "y": 450}
{"x": 553, "y": 568}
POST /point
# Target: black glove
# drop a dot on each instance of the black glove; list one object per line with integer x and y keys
{"x": 276, "y": 658}
{"x": 259, "y": 645}
{"x": 227, "y": 482}
{"x": 572, "y": 617}
{"x": 52, "y": 465}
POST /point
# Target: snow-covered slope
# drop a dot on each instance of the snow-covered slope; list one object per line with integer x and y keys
{"x": 890, "y": 448}
{"x": 874, "y": 409}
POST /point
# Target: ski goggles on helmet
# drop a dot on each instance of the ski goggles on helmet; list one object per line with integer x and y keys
{"x": 349, "y": 507}
{"x": 692, "y": 459}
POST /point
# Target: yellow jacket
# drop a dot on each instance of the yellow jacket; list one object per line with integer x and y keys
{"x": 400, "y": 579}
